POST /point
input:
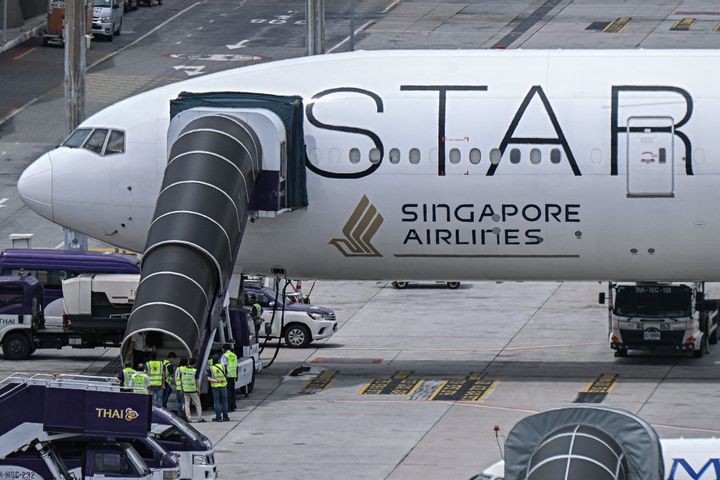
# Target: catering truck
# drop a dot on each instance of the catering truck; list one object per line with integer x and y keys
{"x": 96, "y": 311}
{"x": 654, "y": 316}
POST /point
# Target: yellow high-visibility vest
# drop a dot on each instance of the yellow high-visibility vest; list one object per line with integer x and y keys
{"x": 139, "y": 382}
{"x": 231, "y": 364}
{"x": 217, "y": 372}
{"x": 155, "y": 368}
{"x": 188, "y": 379}
{"x": 128, "y": 372}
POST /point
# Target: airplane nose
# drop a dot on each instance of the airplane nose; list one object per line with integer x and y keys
{"x": 35, "y": 186}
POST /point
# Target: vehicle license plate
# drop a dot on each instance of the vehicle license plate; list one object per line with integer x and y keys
{"x": 652, "y": 335}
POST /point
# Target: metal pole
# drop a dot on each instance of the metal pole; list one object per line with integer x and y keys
{"x": 5, "y": 14}
{"x": 75, "y": 63}
{"x": 352, "y": 25}
{"x": 315, "y": 19}
{"x": 75, "y": 66}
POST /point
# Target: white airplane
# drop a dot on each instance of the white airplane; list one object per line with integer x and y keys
{"x": 555, "y": 165}
{"x": 684, "y": 459}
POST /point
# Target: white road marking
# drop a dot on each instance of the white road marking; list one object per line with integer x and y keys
{"x": 240, "y": 44}
{"x": 391, "y": 6}
{"x": 143, "y": 37}
{"x": 17, "y": 110}
{"x": 2, "y": 202}
{"x": 215, "y": 57}
{"x": 347, "y": 39}
{"x": 191, "y": 70}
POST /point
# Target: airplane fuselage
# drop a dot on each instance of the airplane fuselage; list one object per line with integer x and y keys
{"x": 586, "y": 165}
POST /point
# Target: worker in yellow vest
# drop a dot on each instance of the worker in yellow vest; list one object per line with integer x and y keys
{"x": 140, "y": 381}
{"x": 229, "y": 360}
{"x": 177, "y": 385}
{"x": 156, "y": 372}
{"x": 218, "y": 383}
{"x": 125, "y": 377}
{"x": 169, "y": 366}
{"x": 189, "y": 384}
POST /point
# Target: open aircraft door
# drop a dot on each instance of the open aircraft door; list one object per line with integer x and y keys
{"x": 650, "y": 157}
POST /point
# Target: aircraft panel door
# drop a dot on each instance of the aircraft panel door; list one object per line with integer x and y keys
{"x": 650, "y": 157}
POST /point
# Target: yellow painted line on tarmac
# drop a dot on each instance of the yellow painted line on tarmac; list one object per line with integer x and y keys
{"x": 618, "y": 25}
{"x": 438, "y": 390}
{"x": 683, "y": 25}
{"x": 27, "y": 52}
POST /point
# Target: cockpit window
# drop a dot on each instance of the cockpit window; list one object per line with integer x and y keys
{"x": 96, "y": 140}
{"x": 116, "y": 143}
{"x": 77, "y": 138}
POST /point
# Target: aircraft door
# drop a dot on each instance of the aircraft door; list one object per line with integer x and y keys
{"x": 650, "y": 157}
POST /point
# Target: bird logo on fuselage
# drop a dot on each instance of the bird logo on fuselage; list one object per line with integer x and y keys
{"x": 359, "y": 231}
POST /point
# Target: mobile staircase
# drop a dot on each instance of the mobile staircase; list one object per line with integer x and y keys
{"x": 231, "y": 155}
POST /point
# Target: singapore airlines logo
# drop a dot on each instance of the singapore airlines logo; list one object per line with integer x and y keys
{"x": 359, "y": 231}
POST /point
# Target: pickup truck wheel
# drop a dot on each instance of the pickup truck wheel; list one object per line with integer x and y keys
{"x": 453, "y": 285}
{"x": 297, "y": 336}
{"x": 16, "y": 346}
{"x": 400, "y": 285}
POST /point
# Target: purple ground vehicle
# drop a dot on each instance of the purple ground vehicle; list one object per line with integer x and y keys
{"x": 35, "y": 440}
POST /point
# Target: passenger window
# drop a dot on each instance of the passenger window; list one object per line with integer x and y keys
{"x": 374, "y": 155}
{"x": 96, "y": 140}
{"x": 455, "y": 155}
{"x": 535, "y": 156}
{"x": 47, "y": 278}
{"x": 394, "y": 155}
{"x": 10, "y": 296}
{"x": 414, "y": 156}
{"x": 555, "y": 156}
{"x": 475, "y": 156}
{"x": 116, "y": 143}
{"x": 515, "y": 156}
{"x": 495, "y": 156}
{"x": 354, "y": 155}
{"x": 77, "y": 138}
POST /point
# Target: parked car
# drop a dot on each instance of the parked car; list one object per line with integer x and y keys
{"x": 304, "y": 323}
{"x": 405, "y": 284}
{"x": 107, "y": 18}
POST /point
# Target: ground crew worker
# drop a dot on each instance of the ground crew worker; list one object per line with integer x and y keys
{"x": 140, "y": 380}
{"x": 255, "y": 314}
{"x": 218, "y": 383}
{"x": 190, "y": 390}
{"x": 156, "y": 372}
{"x": 169, "y": 365}
{"x": 230, "y": 362}
{"x": 177, "y": 382}
{"x": 125, "y": 376}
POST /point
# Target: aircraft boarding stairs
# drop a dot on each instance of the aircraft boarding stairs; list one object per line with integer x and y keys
{"x": 231, "y": 155}
{"x": 42, "y": 407}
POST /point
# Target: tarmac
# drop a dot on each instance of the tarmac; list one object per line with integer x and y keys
{"x": 414, "y": 380}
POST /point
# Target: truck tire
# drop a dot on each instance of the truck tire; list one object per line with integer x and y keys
{"x": 16, "y": 346}
{"x": 453, "y": 285}
{"x": 297, "y": 336}
{"x": 703, "y": 348}
{"x": 400, "y": 285}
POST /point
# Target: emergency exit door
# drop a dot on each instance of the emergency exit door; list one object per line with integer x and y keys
{"x": 650, "y": 157}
